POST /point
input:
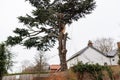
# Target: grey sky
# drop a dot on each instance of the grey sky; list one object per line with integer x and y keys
{"x": 103, "y": 22}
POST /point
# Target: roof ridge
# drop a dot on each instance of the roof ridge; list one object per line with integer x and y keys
{"x": 78, "y": 53}
{"x": 82, "y": 50}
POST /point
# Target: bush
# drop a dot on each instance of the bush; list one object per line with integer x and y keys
{"x": 95, "y": 70}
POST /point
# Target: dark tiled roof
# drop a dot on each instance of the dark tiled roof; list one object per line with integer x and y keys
{"x": 110, "y": 54}
{"x": 77, "y": 54}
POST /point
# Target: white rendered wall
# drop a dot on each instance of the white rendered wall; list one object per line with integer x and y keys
{"x": 92, "y": 56}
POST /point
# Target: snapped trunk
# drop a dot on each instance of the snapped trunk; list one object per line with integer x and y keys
{"x": 62, "y": 50}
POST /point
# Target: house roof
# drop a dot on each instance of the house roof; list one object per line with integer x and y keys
{"x": 110, "y": 54}
{"x": 77, "y": 54}
{"x": 55, "y": 67}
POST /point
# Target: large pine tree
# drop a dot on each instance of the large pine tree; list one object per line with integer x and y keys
{"x": 47, "y": 23}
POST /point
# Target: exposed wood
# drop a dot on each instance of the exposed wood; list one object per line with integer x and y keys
{"x": 62, "y": 42}
{"x": 62, "y": 50}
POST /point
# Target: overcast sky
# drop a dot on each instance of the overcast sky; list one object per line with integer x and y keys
{"x": 103, "y": 22}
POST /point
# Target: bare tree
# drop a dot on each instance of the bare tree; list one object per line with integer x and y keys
{"x": 39, "y": 66}
{"x": 41, "y": 62}
{"x": 25, "y": 65}
{"x": 104, "y": 44}
{"x": 28, "y": 69}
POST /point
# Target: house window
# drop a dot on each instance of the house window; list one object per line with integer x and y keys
{"x": 105, "y": 63}
{"x": 113, "y": 59}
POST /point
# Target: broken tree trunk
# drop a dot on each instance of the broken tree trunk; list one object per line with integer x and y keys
{"x": 62, "y": 37}
{"x": 62, "y": 50}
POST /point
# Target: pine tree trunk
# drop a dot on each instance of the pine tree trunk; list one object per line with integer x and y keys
{"x": 62, "y": 42}
{"x": 62, "y": 50}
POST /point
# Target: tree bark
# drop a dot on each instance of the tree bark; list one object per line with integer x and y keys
{"x": 62, "y": 42}
{"x": 62, "y": 50}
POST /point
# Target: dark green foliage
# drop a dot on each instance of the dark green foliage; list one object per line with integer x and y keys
{"x": 5, "y": 59}
{"x": 21, "y": 32}
{"x": 14, "y": 40}
{"x": 42, "y": 27}
{"x": 94, "y": 69}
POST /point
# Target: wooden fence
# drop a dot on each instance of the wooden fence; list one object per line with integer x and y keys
{"x": 26, "y": 77}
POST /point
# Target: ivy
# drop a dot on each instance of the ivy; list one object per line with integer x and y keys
{"x": 95, "y": 70}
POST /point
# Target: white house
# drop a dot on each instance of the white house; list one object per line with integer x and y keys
{"x": 92, "y": 55}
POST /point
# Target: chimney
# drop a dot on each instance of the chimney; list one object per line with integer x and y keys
{"x": 118, "y": 45}
{"x": 90, "y": 43}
